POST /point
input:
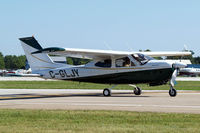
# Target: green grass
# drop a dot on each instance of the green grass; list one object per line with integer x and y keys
{"x": 96, "y": 121}
{"x": 182, "y": 85}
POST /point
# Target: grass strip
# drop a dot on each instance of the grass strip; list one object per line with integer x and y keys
{"x": 96, "y": 121}
{"x": 182, "y": 85}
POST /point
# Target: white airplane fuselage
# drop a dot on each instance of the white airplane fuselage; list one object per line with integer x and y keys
{"x": 151, "y": 72}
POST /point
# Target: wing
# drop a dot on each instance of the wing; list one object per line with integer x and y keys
{"x": 83, "y": 53}
{"x": 101, "y": 54}
{"x": 93, "y": 54}
{"x": 165, "y": 53}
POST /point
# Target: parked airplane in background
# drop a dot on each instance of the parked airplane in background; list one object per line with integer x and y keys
{"x": 111, "y": 67}
{"x": 189, "y": 71}
{"x": 21, "y": 73}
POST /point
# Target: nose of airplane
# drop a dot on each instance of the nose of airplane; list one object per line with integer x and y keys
{"x": 179, "y": 65}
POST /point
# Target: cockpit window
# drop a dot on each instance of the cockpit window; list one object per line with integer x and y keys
{"x": 104, "y": 63}
{"x": 142, "y": 59}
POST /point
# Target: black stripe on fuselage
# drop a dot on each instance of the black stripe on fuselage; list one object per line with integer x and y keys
{"x": 145, "y": 76}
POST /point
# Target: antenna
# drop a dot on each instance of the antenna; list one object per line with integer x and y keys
{"x": 107, "y": 45}
{"x": 185, "y": 48}
{"x": 130, "y": 48}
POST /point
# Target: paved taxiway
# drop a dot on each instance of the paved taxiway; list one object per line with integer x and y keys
{"x": 153, "y": 101}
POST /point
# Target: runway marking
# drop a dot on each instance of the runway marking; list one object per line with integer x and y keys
{"x": 29, "y": 96}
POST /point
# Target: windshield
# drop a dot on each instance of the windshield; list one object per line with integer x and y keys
{"x": 142, "y": 59}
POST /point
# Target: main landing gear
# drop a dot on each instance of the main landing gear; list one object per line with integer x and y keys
{"x": 136, "y": 90}
{"x": 108, "y": 91}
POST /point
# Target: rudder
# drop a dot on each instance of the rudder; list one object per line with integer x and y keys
{"x": 38, "y": 61}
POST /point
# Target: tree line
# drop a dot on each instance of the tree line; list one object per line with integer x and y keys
{"x": 12, "y": 62}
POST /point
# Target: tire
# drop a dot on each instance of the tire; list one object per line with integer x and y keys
{"x": 137, "y": 91}
{"x": 107, "y": 92}
{"x": 172, "y": 92}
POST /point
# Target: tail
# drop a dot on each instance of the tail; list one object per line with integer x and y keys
{"x": 39, "y": 61}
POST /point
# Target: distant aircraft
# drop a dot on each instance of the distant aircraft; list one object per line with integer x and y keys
{"x": 21, "y": 73}
{"x": 189, "y": 71}
{"x": 106, "y": 66}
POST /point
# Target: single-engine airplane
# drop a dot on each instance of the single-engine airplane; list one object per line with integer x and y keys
{"x": 106, "y": 66}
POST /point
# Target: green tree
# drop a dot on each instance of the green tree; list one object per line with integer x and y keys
{"x": 21, "y": 62}
{"x": 8, "y": 61}
{"x": 2, "y": 64}
{"x": 147, "y": 50}
{"x": 196, "y": 60}
{"x": 15, "y": 62}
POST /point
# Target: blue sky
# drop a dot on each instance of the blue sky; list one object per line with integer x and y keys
{"x": 159, "y": 25}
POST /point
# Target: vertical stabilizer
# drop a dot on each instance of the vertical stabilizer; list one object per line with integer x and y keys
{"x": 39, "y": 61}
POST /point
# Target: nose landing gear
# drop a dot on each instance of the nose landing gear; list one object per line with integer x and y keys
{"x": 172, "y": 91}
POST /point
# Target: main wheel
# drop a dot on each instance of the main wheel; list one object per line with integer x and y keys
{"x": 137, "y": 91}
{"x": 107, "y": 92}
{"x": 172, "y": 92}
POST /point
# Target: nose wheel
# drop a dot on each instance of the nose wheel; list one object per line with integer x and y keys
{"x": 172, "y": 91}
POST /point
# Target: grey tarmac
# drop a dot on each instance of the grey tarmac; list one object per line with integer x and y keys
{"x": 81, "y": 99}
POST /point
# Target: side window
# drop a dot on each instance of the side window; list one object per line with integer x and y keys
{"x": 104, "y": 63}
{"x": 123, "y": 62}
{"x": 132, "y": 64}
